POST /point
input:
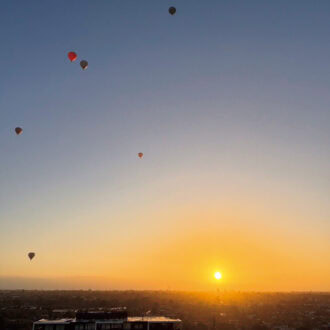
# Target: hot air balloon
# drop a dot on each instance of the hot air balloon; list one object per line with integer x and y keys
{"x": 172, "y": 10}
{"x": 18, "y": 130}
{"x": 84, "y": 64}
{"x": 72, "y": 56}
{"x": 140, "y": 154}
{"x": 31, "y": 255}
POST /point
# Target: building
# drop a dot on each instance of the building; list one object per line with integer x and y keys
{"x": 115, "y": 318}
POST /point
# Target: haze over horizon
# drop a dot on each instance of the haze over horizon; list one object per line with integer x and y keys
{"x": 229, "y": 102}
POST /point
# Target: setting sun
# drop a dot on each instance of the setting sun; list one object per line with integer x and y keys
{"x": 217, "y": 275}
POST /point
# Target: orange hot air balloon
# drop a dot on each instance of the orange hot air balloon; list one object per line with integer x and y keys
{"x": 172, "y": 10}
{"x": 72, "y": 56}
{"x": 18, "y": 130}
{"x": 31, "y": 255}
{"x": 84, "y": 64}
{"x": 140, "y": 154}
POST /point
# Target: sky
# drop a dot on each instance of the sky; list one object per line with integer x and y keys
{"x": 229, "y": 102}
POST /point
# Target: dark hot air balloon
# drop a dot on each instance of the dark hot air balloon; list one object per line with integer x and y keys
{"x": 84, "y": 64}
{"x": 18, "y": 130}
{"x": 140, "y": 154}
{"x": 172, "y": 10}
{"x": 31, "y": 255}
{"x": 72, "y": 56}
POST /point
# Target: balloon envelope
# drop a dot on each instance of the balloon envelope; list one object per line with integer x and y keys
{"x": 18, "y": 130}
{"x": 72, "y": 56}
{"x": 84, "y": 64}
{"x": 172, "y": 10}
{"x": 31, "y": 255}
{"x": 140, "y": 154}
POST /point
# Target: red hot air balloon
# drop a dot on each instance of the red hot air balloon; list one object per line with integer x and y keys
{"x": 18, "y": 130}
{"x": 140, "y": 154}
{"x": 31, "y": 255}
{"x": 72, "y": 56}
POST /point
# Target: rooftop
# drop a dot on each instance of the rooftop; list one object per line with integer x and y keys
{"x": 161, "y": 319}
{"x": 152, "y": 319}
{"x": 60, "y": 321}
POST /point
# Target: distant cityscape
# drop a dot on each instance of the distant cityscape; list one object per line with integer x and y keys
{"x": 19, "y": 309}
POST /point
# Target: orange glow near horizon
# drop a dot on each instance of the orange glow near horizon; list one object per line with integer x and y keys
{"x": 147, "y": 241}
{"x": 169, "y": 256}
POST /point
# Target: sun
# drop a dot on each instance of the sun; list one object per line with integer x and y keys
{"x": 217, "y": 275}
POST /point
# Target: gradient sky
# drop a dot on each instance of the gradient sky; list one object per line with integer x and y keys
{"x": 230, "y": 103}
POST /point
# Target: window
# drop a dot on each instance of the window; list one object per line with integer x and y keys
{"x": 38, "y": 327}
{"x": 79, "y": 327}
{"x": 127, "y": 326}
{"x": 49, "y": 327}
{"x": 60, "y": 327}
